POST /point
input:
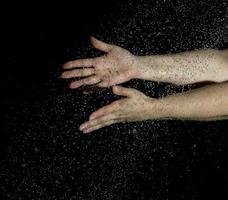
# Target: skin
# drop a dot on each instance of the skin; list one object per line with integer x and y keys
{"x": 114, "y": 67}
{"x": 136, "y": 106}
{"x": 118, "y": 65}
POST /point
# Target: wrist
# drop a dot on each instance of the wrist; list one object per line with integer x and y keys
{"x": 157, "y": 109}
{"x": 164, "y": 108}
{"x": 135, "y": 67}
{"x": 177, "y": 106}
{"x": 139, "y": 67}
{"x": 144, "y": 67}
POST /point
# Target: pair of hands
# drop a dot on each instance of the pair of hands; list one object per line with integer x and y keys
{"x": 116, "y": 66}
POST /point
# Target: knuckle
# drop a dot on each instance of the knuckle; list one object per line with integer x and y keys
{"x": 113, "y": 116}
{"x": 93, "y": 71}
{"x": 79, "y": 73}
{"x": 97, "y": 61}
{"x": 102, "y": 84}
{"x": 90, "y": 80}
{"x": 116, "y": 107}
{"x": 118, "y": 104}
{"x": 82, "y": 81}
{"x": 97, "y": 64}
{"x": 82, "y": 73}
{"x": 93, "y": 123}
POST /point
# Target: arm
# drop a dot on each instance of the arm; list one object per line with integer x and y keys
{"x": 203, "y": 104}
{"x": 118, "y": 65}
{"x": 185, "y": 68}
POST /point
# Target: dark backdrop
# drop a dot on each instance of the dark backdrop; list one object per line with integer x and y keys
{"x": 35, "y": 40}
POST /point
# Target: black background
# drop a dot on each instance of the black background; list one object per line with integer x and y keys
{"x": 33, "y": 43}
{"x": 36, "y": 39}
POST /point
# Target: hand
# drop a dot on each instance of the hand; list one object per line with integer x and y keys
{"x": 135, "y": 107}
{"x": 116, "y": 66}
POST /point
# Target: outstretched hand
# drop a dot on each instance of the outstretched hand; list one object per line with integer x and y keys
{"x": 116, "y": 66}
{"x": 134, "y": 107}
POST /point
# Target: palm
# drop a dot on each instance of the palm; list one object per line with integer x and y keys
{"x": 134, "y": 107}
{"x": 115, "y": 67}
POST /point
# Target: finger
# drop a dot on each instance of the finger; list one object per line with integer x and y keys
{"x": 122, "y": 91}
{"x": 88, "y": 62}
{"x": 86, "y": 81}
{"x": 78, "y": 73}
{"x": 106, "y": 109}
{"x": 108, "y": 123}
{"x": 103, "y": 84}
{"x": 100, "y": 45}
{"x": 98, "y": 121}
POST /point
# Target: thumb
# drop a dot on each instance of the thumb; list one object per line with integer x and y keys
{"x": 122, "y": 91}
{"x": 100, "y": 45}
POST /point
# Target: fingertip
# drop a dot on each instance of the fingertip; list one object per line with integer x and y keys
{"x": 114, "y": 89}
{"x": 63, "y": 75}
{"x": 91, "y": 37}
{"x": 66, "y": 65}
{"x": 81, "y": 128}
{"x": 73, "y": 86}
{"x": 91, "y": 117}
{"x": 93, "y": 40}
{"x": 70, "y": 86}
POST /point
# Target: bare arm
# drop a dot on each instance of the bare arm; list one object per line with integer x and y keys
{"x": 203, "y": 104}
{"x": 185, "y": 68}
{"x": 118, "y": 65}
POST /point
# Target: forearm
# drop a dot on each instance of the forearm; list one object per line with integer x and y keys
{"x": 184, "y": 68}
{"x": 206, "y": 103}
